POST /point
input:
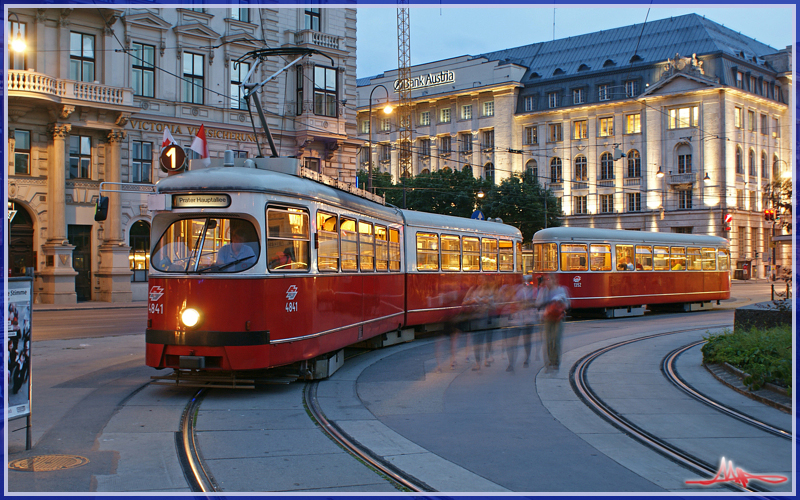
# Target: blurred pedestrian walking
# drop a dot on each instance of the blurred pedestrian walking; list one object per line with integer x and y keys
{"x": 553, "y": 302}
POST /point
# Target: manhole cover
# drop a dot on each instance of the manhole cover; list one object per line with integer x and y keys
{"x": 46, "y": 463}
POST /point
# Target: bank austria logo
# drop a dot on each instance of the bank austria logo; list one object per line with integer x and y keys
{"x": 156, "y": 292}
{"x": 422, "y": 81}
{"x": 727, "y": 473}
{"x": 291, "y": 293}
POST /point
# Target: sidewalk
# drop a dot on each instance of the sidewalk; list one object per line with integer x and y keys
{"x": 89, "y": 305}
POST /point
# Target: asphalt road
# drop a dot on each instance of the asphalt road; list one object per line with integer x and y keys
{"x": 76, "y": 323}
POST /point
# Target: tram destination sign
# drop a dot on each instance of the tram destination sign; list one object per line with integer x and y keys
{"x": 201, "y": 201}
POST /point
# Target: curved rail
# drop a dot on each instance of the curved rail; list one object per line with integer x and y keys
{"x": 399, "y": 477}
{"x": 668, "y": 368}
{"x": 580, "y": 385}
{"x": 199, "y": 479}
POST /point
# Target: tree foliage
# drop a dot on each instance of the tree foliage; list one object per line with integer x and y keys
{"x": 518, "y": 201}
{"x": 779, "y": 196}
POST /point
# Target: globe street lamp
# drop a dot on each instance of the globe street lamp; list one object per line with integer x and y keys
{"x": 386, "y": 110}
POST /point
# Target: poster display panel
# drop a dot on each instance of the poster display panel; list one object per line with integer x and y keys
{"x": 18, "y": 339}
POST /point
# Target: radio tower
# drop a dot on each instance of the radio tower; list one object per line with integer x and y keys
{"x": 404, "y": 106}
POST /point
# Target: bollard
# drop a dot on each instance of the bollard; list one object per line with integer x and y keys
{"x": 772, "y": 292}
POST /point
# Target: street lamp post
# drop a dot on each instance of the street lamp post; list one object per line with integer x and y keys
{"x": 783, "y": 172}
{"x": 386, "y": 110}
{"x": 18, "y": 42}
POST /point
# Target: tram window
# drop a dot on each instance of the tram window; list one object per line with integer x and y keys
{"x": 328, "y": 238}
{"x": 709, "y": 259}
{"x": 394, "y": 250}
{"x": 506, "y": 255}
{"x": 520, "y": 267}
{"x": 549, "y": 255}
{"x": 366, "y": 246}
{"x": 661, "y": 258}
{"x": 381, "y": 249}
{"x": 625, "y": 257}
{"x": 644, "y": 258}
{"x": 427, "y": 252}
{"x": 600, "y": 257}
{"x": 471, "y": 260}
{"x": 693, "y": 259}
{"x": 573, "y": 257}
{"x": 347, "y": 233}
{"x": 196, "y": 245}
{"x": 288, "y": 239}
{"x": 724, "y": 259}
{"x": 677, "y": 258}
{"x": 489, "y": 254}
{"x": 451, "y": 253}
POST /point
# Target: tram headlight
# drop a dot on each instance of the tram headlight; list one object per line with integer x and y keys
{"x": 190, "y": 317}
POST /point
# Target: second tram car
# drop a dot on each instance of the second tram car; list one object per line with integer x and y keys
{"x": 621, "y": 271}
{"x": 254, "y": 266}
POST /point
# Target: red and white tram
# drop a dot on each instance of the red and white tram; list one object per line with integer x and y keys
{"x": 621, "y": 272}
{"x": 256, "y": 266}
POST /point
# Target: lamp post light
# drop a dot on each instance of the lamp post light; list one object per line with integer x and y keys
{"x": 18, "y": 42}
{"x": 386, "y": 110}
{"x": 783, "y": 173}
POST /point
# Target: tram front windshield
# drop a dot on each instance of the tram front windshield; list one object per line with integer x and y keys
{"x": 207, "y": 245}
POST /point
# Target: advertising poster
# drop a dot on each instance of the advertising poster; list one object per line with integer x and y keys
{"x": 18, "y": 338}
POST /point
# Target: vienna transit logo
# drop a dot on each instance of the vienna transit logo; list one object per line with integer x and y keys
{"x": 731, "y": 474}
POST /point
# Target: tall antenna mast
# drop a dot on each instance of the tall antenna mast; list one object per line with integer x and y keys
{"x": 404, "y": 75}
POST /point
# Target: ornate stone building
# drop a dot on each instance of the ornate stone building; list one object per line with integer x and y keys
{"x": 671, "y": 126}
{"x": 88, "y": 103}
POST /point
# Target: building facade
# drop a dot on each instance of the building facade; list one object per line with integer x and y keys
{"x": 89, "y": 99}
{"x": 677, "y": 125}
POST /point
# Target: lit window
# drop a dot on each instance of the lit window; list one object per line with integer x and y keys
{"x": 606, "y": 127}
{"x": 684, "y": 117}
{"x": 488, "y": 108}
{"x": 751, "y": 120}
{"x": 466, "y": 112}
{"x": 737, "y": 117}
{"x": 552, "y": 99}
{"x": 776, "y": 131}
{"x": 554, "y": 132}
{"x": 633, "y": 124}
{"x": 580, "y": 205}
{"x": 555, "y": 170}
{"x": 580, "y": 129}
{"x": 386, "y": 125}
{"x": 634, "y": 164}
{"x": 444, "y": 115}
{"x": 425, "y": 118}
{"x": 531, "y": 136}
{"x": 139, "y": 258}
{"x": 365, "y": 126}
{"x": 581, "y": 169}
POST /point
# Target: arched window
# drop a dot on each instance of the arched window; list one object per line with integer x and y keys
{"x": 139, "y": 258}
{"x": 581, "y": 169}
{"x": 488, "y": 172}
{"x": 425, "y": 171}
{"x": 751, "y": 163}
{"x": 555, "y": 170}
{"x": 467, "y": 169}
{"x": 634, "y": 164}
{"x": 764, "y": 168}
{"x": 606, "y": 166}
{"x": 739, "y": 164}
{"x": 776, "y": 168}
{"x": 531, "y": 171}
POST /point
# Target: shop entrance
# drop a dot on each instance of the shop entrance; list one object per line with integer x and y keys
{"x": 21, "y": 257}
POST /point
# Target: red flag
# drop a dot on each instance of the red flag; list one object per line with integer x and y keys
{"x": 167, "y": 139}
{"x": 200, "y": 145}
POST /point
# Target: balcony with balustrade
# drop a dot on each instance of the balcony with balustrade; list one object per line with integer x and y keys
{"x": 682, "y": 179}
{"x": 315, "y": 39}
{"x": 29, "y": 84}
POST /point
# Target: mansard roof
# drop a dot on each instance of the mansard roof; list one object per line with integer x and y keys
{"x": 639, "y": 44}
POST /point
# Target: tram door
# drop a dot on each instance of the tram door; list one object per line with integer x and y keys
{"x": 21, "y": 257}
{"x": 81, "y": 238}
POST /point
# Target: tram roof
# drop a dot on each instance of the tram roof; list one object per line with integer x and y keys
{"x": 587, "y": 234}
{"x": 453, "y": 223}
{"x": 243, "y": 179}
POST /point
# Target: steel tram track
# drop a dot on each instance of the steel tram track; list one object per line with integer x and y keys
{"x": 356, "y": 449}
{"x": 197, "y": 476}
{"x": 578, "y": 377}
{"x": 668, "y": 368}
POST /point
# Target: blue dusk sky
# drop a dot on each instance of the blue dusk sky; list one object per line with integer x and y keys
{"x": 441, "y": 32}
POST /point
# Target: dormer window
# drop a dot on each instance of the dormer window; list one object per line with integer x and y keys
{"x": 583, "y": 67}
{"x": 636, "y": 58}
{"x": 558, "y": 71}
{"x": 608, "y": 63}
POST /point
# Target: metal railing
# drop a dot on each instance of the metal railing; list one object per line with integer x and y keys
{"x": 30, "y": 81}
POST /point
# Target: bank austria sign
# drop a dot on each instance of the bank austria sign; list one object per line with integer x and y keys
{"x": 422, "y": 81}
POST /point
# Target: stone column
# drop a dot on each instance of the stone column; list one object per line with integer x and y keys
{"x": 114, "y": 273}
{"x": 57, "y": 276}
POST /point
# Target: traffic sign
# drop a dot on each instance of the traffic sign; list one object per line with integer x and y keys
{"x": 477, "y": 214}
{"x": 172, "y": 158}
